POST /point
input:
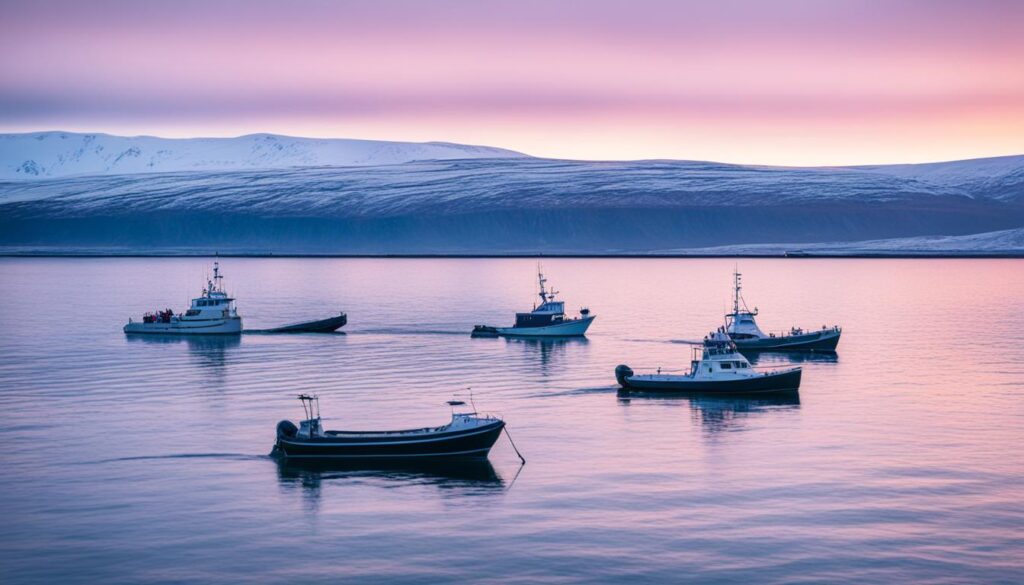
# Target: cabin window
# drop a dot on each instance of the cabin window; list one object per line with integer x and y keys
{"x": 191, "y": 313}
{"x": 726, "y": 366}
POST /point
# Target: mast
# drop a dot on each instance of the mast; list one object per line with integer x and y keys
{"x": 216, "y": 276}
{"x": 546, "y": 296}
{"x": 737, "y": 297}
{"x": 736, "y": 287}
{"x": 542, "y": 280}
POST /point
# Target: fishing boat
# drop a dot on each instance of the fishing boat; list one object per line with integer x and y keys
{"x": 468, "y": 435}
{"x": 717, "y": 367}
{"x": 213, "y": 313}
{"x": 546, "y": 320}
{"x": 743, "y": 330}
{"x": 328, "y": 325}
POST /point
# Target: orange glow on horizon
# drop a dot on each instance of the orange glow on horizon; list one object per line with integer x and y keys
{"x": 797, "y": 84}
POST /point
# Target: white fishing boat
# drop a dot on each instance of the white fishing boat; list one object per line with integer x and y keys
{"x": 717, "y": 367}
{"x": 547, "y": 320}
{"x": 213, "y": 313}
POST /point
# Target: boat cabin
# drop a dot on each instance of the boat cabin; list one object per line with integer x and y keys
{"x": 215, "y": 302}
{"x": 550, "y": 311}
{"x": 740, "y": 323}
{"x": 718, "y": 355}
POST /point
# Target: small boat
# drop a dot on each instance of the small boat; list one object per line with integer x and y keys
{"x": 468, "y": 436}
{"x": 213, "y": 313}
{"x": 546, "y": 320}
{"x": 484, "y": 331}
{"x": 743, "y": 329}
{"x": 717, "y": 368}
{"x": 328, "y": 325}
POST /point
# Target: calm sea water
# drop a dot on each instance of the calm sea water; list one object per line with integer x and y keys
{"x": 145, "y": 460}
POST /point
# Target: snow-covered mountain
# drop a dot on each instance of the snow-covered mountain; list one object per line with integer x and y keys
{"x": 997, "y": 177}
{"x": 60, "y": 154}
{"x": 998, "y": 242}
{"x": 509, "y": 204}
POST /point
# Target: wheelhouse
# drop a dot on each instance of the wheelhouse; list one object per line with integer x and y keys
{"x": 740, "y": 323}
{"x": 549, "y": 312}
{"x": 215, "y": 302}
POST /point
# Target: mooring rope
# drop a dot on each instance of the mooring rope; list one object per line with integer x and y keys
{"x": 513, "y": 443}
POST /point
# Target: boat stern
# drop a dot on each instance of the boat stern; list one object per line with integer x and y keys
{"x": 622, "y": 375}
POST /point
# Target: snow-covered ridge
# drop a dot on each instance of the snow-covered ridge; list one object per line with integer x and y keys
{"x": 467, "y": 185}
{"x": 40, "y": 155}
{"x": 1000, "y": 177}
{"x": 520, "y": 205}
{"x": 998, "y": 242}
{"x": 480, "y": 200}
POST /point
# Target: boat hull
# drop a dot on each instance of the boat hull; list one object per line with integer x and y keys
{"x": 824, "y": 340}
{"x": 786, "y": 381}
{"x": 473, "y": 443}
{"x": 573, "y": 328}
{"x": 229, "y": 326}
{"x": 321, "y": 326}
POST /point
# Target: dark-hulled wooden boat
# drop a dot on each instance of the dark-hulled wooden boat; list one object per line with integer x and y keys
{"x": 320, "y": 326}
{"x": 468, "y": 436}
{"x": 484, "y": 331}
{"x": 742, "y": 328}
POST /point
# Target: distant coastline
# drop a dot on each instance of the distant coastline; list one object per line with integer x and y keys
{"x": 90, "y": 194}
{"x": 638, "y": 256}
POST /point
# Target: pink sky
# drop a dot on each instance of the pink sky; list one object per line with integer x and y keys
{"x": 784, "y": 82}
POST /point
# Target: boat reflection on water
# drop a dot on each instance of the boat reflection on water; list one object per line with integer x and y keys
{"x": 716, "y": 414}
{"x": 454, "y": 479}
{"x": 208, "y": 351}
{"x": 790, "y": 357}
{"x": 548, "y": 348}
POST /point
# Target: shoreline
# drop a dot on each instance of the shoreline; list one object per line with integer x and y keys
{"x": 873, "y": 255}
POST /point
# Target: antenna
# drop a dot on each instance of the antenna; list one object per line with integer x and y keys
{"x": 736, "y": 290}
{"x": 308, "y": 403}
{"x": 542, "y": 281}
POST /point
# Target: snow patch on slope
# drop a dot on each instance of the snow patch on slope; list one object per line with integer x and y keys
{"x": 1001, "y": 177}
{"x": 998, "y": 242}
{"x": 459, "y": 186}
{"x": 58, "y": 154}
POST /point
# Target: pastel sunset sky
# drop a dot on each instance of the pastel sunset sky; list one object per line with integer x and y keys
{"x": 794, "y": 82}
